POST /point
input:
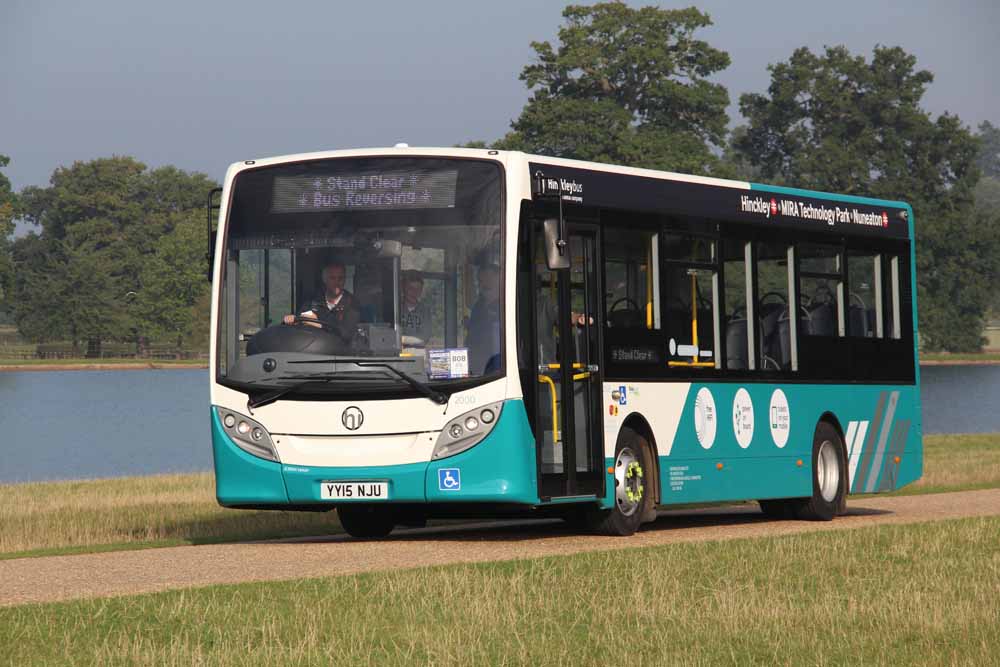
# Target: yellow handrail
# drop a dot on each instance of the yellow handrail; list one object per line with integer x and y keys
{"x": 694, "y": 332}
{"x": 545, "y": 379}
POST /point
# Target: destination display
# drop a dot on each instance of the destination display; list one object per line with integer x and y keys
{"x": 718, "y": 202}
{"x": 364, "y": 191}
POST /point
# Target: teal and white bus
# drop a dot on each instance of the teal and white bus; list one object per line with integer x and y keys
{"x": 406, "y": 333}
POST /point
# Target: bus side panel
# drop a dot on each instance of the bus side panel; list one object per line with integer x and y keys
{"x": 240, "y": 478}
{"x": 756, "y": 439}
{"x": 501, "y": 468}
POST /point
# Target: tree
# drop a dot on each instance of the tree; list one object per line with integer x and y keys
{"x": 172, "y": 280}
{"x": 8, "y": 212}
{"x": 840, "y": 123}
{"x": 98, "y": 228}
{"x": 989, "y": 150}
{"x": 628, "y": 86}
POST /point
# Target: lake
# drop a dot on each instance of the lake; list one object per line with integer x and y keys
{"x": 85, "y": 424}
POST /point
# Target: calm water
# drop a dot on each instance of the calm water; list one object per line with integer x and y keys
{"x": 80, "y": 424}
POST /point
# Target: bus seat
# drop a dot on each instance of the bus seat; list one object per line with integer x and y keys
{"x": 823, "y": 320}
{"x": 736, "y": 343}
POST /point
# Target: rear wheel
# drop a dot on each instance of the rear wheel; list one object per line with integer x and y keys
{"x": 633, "y": 488}
{"x": 366, "y": 521}
{"x": 829, "y": 476}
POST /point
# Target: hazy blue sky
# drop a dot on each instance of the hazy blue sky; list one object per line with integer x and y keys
{"x": 202, "y": 84}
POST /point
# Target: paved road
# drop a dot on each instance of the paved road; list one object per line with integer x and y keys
{"x": 125, "y": 572}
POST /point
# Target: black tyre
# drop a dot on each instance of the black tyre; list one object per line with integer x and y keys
{"x": 829, "y": 476}
{"x": 366, "y": 521}
{"x": 633, "y": 492}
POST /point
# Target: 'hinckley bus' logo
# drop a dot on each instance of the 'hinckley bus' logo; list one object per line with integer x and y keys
{"x": 790, "y": 208}
{"x": 352, "y": 418}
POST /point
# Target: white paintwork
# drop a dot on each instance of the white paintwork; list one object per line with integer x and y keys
{"x": 661, "y": 404}
{"x": 312, "y": 432}
{"x": 342, "y": 451}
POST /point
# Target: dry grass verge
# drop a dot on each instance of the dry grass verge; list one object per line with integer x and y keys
{"x": 136, "y": 511}
{"x": 918, "y": 594}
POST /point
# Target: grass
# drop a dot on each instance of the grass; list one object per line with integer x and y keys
{"x": 947, "y": 357}
{"x": 135, "y": 512}
{"x": 49, "y": 518}
{"x": 925, "y": 593}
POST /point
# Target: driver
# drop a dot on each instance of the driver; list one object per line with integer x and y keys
{"x": 337, "y": 308}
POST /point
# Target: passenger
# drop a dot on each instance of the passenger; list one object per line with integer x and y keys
{"x": 483, "y": 327}
{"x": 415, "y": 315}
{"x": 337, "y": 308}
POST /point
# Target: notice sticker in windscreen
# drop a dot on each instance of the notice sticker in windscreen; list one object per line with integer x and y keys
{"x": 365, "y": 191}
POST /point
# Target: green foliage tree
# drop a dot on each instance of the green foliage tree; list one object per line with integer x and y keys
{"x": 172, "y": 280}
{"x": 99, "y": 228}
{"x": 628, "y": 86}
{"x": 8, "y": 212}
{"x": 840, "y": 123}
{"x": 989, "y": 150}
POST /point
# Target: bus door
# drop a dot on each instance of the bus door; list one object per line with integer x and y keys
{"x": 567, "y": 321}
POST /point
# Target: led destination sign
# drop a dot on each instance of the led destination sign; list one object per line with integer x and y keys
{"x": 367, "y": 191}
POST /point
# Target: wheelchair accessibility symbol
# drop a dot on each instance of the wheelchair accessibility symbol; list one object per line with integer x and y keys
{"x": 449, "y": 479}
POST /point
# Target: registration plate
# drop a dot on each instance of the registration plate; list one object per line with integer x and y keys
{"x": 354, "y": 490}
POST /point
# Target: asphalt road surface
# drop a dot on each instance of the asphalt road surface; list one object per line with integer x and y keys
{"x": 54, "y": 578}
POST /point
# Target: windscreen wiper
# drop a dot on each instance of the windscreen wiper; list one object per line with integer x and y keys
{"x": 421, "y": 387}
{"x": 271, "y": 397}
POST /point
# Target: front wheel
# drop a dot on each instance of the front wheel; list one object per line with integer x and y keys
{"x": 366, "y": 521}
{"x": 633, "y": 489}
{"x": 829, "y": 476}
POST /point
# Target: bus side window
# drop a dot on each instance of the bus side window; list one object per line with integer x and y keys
{"x": 691, "y": 300}
{"x": 821, "y": 288}
{"x": 893, "y": 297}
{"x": 865, "y": 301}
{"x": 775, "y": 308}
{"x": 632, "y": 279}
{"x": 737, "y": 326}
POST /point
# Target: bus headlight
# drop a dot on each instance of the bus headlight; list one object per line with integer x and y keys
{"x": 466, "y": 430}
{"x": 248, "y": 435}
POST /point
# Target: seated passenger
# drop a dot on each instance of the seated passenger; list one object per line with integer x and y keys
{"x": 337, "y": 308}
{"x": 415, "y": 314}
{"x": 483, "y": 327}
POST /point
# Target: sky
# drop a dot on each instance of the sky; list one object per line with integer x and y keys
{"x": 200, "y": 85}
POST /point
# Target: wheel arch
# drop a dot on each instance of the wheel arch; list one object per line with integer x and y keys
{"x": 636, "y": 422}
{"x": 831, "y": 419}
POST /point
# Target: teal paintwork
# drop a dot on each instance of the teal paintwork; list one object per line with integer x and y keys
{"x": 763, "y": 470}
{"x": 241, "y": 478}
{"x": 499, "y": 469}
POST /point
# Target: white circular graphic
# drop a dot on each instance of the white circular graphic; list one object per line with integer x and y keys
{"x": 780, "y": 418}
{"x": 743, "y": 418}
{"x": 705, "y": 418}
{"x": 673, "y": 347}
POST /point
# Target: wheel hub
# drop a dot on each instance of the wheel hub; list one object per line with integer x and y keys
{"x": 629, "y": 477}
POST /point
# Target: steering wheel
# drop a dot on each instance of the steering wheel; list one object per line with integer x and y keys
{"x": 326, "y": 326}
{"x": 630, "y": 304}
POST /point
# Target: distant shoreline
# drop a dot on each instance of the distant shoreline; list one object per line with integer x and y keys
{"x": 187, "y": 365}
{"x": 99, "y": 366}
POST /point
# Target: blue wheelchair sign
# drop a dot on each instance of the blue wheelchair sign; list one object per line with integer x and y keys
{"x": 449, "y": 479}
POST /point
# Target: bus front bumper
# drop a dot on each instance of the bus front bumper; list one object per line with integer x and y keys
{"x": 500, "y": 469}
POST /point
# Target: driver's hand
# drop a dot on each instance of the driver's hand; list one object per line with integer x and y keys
{"x": 288, "y": 319}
